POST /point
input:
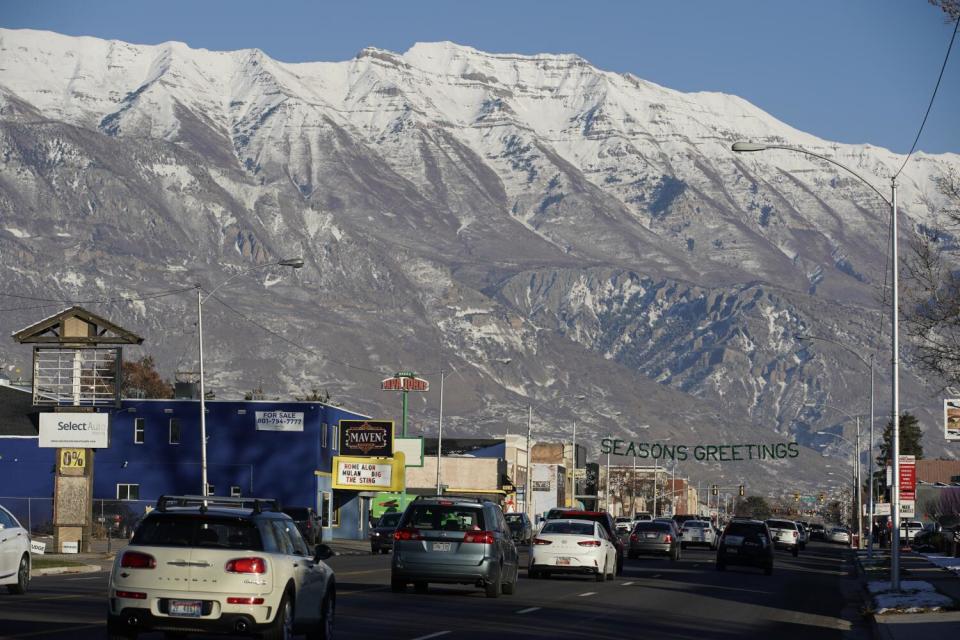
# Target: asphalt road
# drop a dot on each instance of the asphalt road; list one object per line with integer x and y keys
{"x": 813, "y": 596}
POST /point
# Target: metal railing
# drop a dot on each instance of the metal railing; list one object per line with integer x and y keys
{"x": 115, "y": 518}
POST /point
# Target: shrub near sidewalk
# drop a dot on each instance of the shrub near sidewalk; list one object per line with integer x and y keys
{"x": 51, "y": 563}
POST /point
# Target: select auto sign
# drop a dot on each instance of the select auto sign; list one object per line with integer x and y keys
{"x": 75, "y": 430}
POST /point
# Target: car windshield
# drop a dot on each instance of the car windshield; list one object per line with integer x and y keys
{"x": 389, "y": 519}
{"x": 297, "y": 513}
{"x": 694, "y": 524}
{"x": 572, "y": 528}
{"x": 444, "y": 518}
{"x": 619, "y": 520}
{"x": 197, "y": 530}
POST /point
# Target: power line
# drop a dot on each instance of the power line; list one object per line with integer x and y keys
{"x": 930, "y": 106}
{"x": 296, "y": 344}
{"x": 57, "y": 302}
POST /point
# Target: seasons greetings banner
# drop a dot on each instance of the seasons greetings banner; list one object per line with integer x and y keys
{"x": 700, "y": 452}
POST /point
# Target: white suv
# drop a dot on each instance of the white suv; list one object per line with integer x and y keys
{"x": 14, "y": 554}
{"x": 220, "y": 565}
{"x": 785, "y": 535}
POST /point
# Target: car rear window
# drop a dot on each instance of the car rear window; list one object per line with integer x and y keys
{"x": 192, "y": 530}
{"x": 390, "y": 519}
{"x": 573, "y": 528}
{"x": 694, "y": 524}
{"x": 652, "y": 526}
{"x": 444, "y": 518}
{"x": 781, "y": 524}
{"x": 513, "y": 517}
{"x": 743, "y": 529}
{"x": 297, "y": 513}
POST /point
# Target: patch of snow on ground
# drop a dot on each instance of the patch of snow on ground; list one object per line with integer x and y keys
{"x": 17, "y": 232}
{"x": 915, "y": 596}
{"x": 947, "y": 562}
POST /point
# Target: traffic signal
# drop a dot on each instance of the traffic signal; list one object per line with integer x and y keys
{"x": 822, "y": 497}
{"x": 741, "y": 490}
{"x": 796, "y": 497}
{"x": 715, "y": 490}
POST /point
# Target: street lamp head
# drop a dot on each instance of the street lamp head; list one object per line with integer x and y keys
{"x": 296, "y": 263}
{"x": 741, "y": 147}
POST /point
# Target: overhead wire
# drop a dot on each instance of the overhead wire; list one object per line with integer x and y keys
{"x": 58, "y": 302}
{"x": 932, "y": 97}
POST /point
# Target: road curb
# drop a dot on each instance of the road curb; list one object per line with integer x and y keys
{"x": 55, "y": 571}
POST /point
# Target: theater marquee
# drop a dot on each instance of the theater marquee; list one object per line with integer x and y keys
{"x": 368, "y": 474}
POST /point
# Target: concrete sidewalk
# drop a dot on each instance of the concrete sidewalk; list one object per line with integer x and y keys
{"x": 907, "y": 626}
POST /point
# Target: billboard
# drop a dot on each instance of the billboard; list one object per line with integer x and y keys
{"x": 75, "y": 430}
{"x": 951, "y": 419}
{"x": 908, "y": 478}
{"x": 366, "y": 438}
{"x": 368, "y": 474}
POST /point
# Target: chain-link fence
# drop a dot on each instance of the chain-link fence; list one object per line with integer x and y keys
{"x": 114, "y": 517}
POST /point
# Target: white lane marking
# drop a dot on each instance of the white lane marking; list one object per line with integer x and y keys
{"x": 529, "y": 610}
{"x": 432, "y": 635}
{"x": 588, "y": 593}
{"x": 76, "y": 579}
{"x": 656, "y": 575}
{"x": 626, "y": 584}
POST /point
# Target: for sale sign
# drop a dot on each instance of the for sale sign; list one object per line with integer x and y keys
{"x": 908, "y": 478}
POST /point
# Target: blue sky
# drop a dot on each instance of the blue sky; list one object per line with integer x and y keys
{"x": 846, "y": 70}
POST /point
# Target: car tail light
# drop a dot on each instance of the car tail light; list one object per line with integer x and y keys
{"x": 633, "y": 537}
{"x": 668, "y": 538}
{"x": 589, "y": 543}
{"x": 133, "y": 595}
{"x": 480, "y": 537}
{"x": 542, "y": 541}
{"x": 795, "y": 534}
{"x": 137, "y": 560}
{"x": 407, "y": 533}
{"x": 246, "y": 565}
{"x": 244, "y": 600}
{"x": 309, "y": 526}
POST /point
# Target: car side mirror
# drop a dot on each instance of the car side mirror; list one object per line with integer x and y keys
{"x": 322, "y": 552}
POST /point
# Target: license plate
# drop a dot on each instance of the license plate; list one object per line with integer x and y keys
{"x": 563, "y": 561}
{"x": 442, "y": 546}
{"x": 731, "y": 551}
{"x": 186, "y": 608}
{"x": 649, "y": 535}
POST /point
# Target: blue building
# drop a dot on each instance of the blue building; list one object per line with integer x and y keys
{"x": 254, "y": 448}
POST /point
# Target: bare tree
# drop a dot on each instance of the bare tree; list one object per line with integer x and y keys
{"x": 950, "y": 7}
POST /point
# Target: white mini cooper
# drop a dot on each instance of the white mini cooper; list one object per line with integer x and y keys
{"x": 219, "y": 565}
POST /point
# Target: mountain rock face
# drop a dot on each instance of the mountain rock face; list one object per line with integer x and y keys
{"x": 537, "y": 227}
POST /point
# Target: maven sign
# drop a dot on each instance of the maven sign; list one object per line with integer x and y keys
{"x": 365, "y": 474}
{"x": 75, "y": 430}
{"x": 366, "y": 438}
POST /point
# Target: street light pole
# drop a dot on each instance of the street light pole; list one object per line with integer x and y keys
{"x": 528, "y": 498}
{"x": 295, "y": 263}
{"x": 440, "y": 437}
{"x": 856, "y": 466}
{"x": 741, "y": 147}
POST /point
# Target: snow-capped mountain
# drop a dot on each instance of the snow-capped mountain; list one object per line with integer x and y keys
{"x": 457, "y": 209}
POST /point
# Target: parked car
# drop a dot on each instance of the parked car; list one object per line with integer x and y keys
{"x": 931, "y": 538}
{"x": 308, "y": 522}
{"x": 839, "y": 535}
{"x": 785, "y": 535}
{"x": 573, "y": 546}
{"x": 454, "y": 540}
{"x": 220, "y": 565}
{"x": 818, "y": 532}
{"x": 520, "y": 527}
{"x": 697, "y": 532}
{"x": 603, "y": 518}
{"x": 746, "y": 543}
{"x": 15, "y": 562}
{"x": 654, "y": 538}
{"x": 804, "y": 535}
{"x": 381, "y": 536}
{"x": 623, "y": 524}
{"x": 909, "y": 529}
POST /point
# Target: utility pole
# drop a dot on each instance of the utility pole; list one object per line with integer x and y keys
{"x": 439, "y": 436}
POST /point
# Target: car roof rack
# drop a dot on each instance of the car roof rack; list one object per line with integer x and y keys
{"x": 452, "y": 497}
{"x": 204, "y": 502}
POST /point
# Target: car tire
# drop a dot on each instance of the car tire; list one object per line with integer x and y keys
{"x": 23, "y": 577}
{"x": 611, "y": 576}
{"x": 721, "y": 566}
{"x": 600, "y": 575}
{"x": 768, "y": 570}
{"x": 420, "y": 586}
{"x": 282, "y": 626}
{"x": 631, "y": 555}
{"x": 397, "y": 586}
{"x": 796, "y": 551}
{"x": 533, "y": 574}
{"x": 324, "y": 630}
{"x": 492, "y": 588}
{"x": 509, "y": 588}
